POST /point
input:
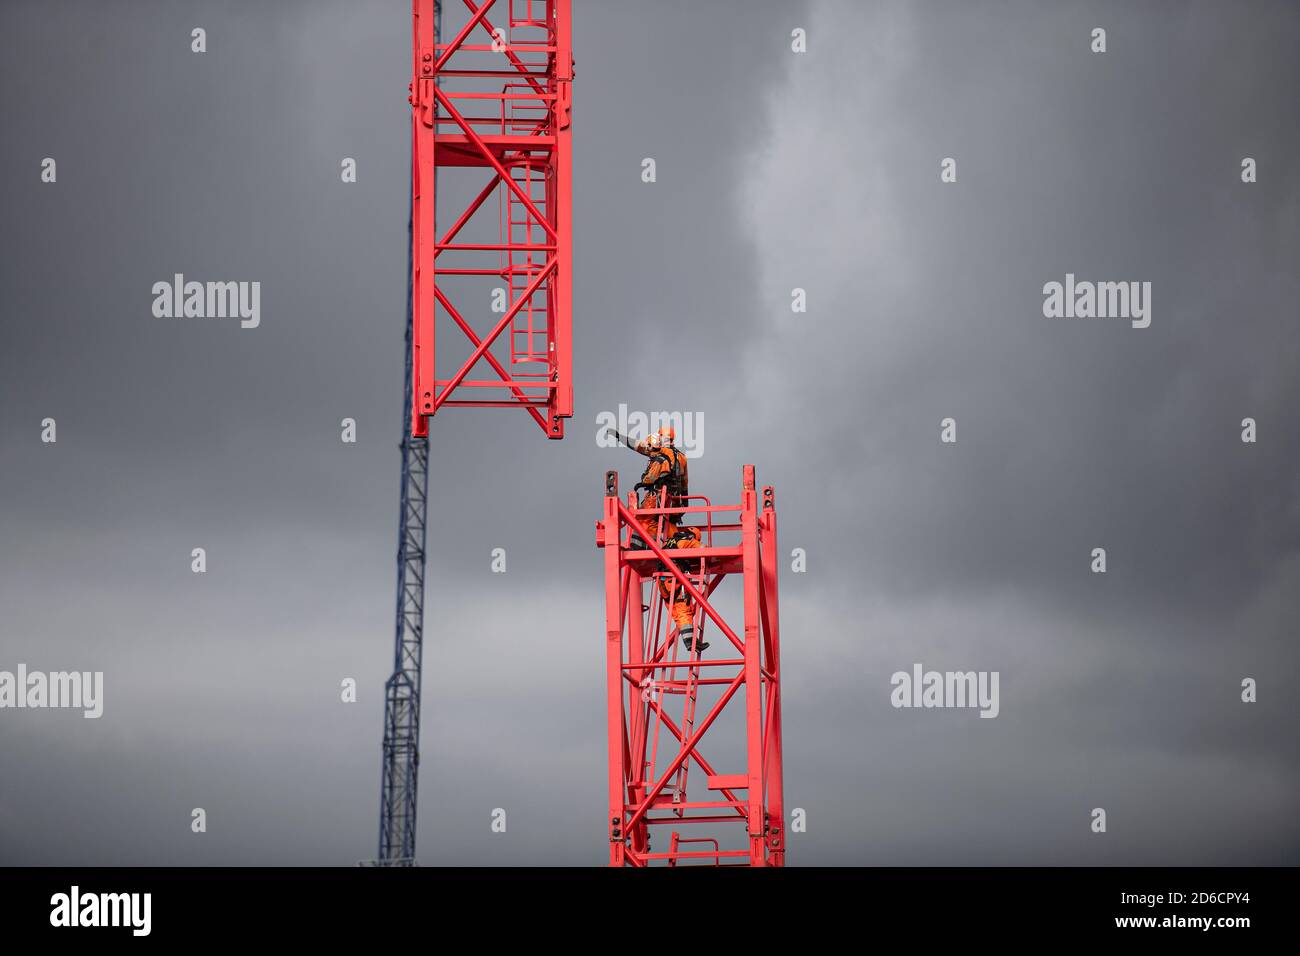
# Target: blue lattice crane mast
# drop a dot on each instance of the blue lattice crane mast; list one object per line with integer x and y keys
{"x": 502, "y": 127}
{"x": 399, "y": 788}
{"x": 400, "y": 783}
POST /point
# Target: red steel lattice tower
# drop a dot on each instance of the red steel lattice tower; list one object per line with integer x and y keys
{"x": 493, "y": 100}
{"x": 664, "y": 702}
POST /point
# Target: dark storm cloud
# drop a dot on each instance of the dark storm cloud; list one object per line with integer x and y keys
{"x": 774, "y": 171}
{"x": 925, "y": 302}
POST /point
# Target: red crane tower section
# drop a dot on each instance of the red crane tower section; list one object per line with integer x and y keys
{"x": 667, "y": 705}
{"x": 491, "y": 108}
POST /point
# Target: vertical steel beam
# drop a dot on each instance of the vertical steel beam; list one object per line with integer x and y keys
{"x": 771, "y": 619}
{"x": 753, "y": 666}
{"x": 614, "y": 671}
{"x": 426, "y": 18}
{"x": 562, "y": 365}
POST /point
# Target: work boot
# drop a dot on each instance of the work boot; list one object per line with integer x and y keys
{"x": 636, "y": 543}
{"x": 688, "y": 638}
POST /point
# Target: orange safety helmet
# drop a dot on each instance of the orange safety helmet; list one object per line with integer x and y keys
{"x": 667, "y": 435}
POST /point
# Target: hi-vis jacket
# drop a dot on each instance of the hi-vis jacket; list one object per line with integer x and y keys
{"x": 666, "y": 470}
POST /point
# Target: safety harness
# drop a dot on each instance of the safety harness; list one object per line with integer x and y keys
{"x": 671, "y": 475}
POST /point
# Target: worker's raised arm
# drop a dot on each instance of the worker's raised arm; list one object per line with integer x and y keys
{"x": 641, "y": 447}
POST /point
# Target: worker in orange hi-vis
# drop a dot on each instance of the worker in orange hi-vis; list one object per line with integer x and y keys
{"x": 665, "y": 484}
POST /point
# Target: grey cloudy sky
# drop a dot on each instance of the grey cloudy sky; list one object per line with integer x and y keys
{"x": 775, "y": 171}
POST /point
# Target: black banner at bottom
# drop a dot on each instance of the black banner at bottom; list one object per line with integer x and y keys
{"x": 330, "y": 905}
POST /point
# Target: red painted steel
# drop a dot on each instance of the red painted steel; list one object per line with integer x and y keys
{"x": 493, "y": 101}
{"x": 730, "y": 704}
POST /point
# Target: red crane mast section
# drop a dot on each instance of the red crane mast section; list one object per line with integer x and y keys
{"x": 667, "y": 705}
{"x": 491, "y": 109}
